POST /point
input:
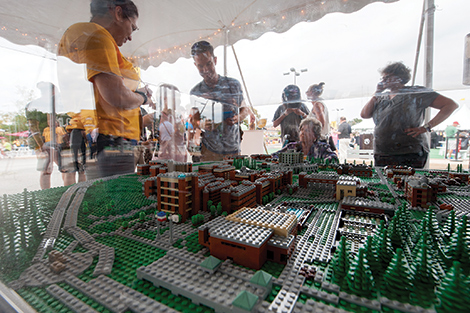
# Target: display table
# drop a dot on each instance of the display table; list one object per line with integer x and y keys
{"x": 98, "y": 247}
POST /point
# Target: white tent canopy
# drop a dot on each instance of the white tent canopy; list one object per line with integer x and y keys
{"x": 365, "y": 125}
{"x": 169, "y": 27}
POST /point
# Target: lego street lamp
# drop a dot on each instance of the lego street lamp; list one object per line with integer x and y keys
{"x": 293, "y": 70}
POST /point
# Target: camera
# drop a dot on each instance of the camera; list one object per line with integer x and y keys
{"x": 293, "y": 105}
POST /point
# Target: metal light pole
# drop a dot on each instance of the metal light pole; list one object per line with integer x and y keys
{"x": 293, "y": 70}
{"x": 337, "y": 115}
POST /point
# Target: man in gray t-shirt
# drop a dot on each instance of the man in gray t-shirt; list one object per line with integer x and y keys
{"x": 221, "y": 96}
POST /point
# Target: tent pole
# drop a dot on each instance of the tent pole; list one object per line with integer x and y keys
{"x": 225, "y": 52}
{"x": 429, "y": 56}
{"x": 420, "y": 39}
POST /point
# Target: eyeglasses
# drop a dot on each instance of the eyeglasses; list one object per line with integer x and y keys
{"x": 134, "y": 27}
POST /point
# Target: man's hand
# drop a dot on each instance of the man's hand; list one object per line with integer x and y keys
{"x": 380, "y": 87}
{"x": 148, "y": 92}
{"x": 232, "y": 120}
{"x": 295, "y": 111}
{"x": 416, "y": 131}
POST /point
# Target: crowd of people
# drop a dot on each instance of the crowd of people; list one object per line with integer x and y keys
{"x": 212, "y": 131}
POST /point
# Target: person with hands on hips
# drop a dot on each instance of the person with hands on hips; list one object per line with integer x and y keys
{"x": 290, "y": 113}
{"x": 400, "y": 136}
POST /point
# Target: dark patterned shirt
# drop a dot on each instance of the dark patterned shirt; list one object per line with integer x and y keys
{"x": 393, "y": 115}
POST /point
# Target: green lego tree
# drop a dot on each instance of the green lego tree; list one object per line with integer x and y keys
{"x": 213, "y": 210}
{"x": 458, "y": 248}
{"x": 341, "y": 265}
{"x": 125, "y": 224}
{"x": 422, "y": 281}
{"x": 360, "y": 281}
{"x": 454, "y": 291}
{"x": 371, "y": 257}
{"x": 396, "y": 283}
{"x": 449, "y": 227}
{"x": 403, "y": 220}
{"x": 393, "y": 232}
{"x": 384, "y": 250}
{"x": 422, "y": 228}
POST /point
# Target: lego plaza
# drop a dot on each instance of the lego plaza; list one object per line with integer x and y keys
{"x": 243, "y": 235}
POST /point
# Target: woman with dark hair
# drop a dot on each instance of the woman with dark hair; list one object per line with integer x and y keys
{"x": 114, "y": 78}
{"x": 400, "y": 135}
{"x": 311, "y": 142}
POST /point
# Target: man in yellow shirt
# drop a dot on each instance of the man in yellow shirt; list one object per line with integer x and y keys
{"x": 59, "y": 133}
{"x": 114, "y": 78}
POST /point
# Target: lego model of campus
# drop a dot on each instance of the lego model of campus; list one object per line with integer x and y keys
{"x": 250, "y": 234}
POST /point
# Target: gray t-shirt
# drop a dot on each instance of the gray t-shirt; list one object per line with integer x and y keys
{"x": 224, "y": 138}
{"x": 393, "y": 115}
{"x": 290, "y": 123}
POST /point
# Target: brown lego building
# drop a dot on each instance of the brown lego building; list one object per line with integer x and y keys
{"x": 420, "y": 191}
{"x": 178, "y": 193}
{"x": 250, "y": 237}
{"x": 319, "y": 178}
{"x": 143, "y": 169}
{"x": 234, "y": 198}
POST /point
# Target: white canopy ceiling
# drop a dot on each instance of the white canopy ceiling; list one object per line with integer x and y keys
{"x": 169, "y": 27}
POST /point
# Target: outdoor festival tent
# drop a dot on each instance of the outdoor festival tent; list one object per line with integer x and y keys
{"x": 167, "y": 28}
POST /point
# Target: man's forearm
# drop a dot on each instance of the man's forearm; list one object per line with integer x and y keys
{"x": 114, "y": 92}
{"x": 368, "y": 109}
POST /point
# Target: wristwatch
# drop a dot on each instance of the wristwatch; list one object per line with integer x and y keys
{"x": 428, "y": 127}
{"x": 143, "y": 95}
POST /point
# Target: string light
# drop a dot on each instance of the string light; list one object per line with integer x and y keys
{"x": 179, "y": 48}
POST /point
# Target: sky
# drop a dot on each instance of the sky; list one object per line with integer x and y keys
{"x": 343, "y": 50}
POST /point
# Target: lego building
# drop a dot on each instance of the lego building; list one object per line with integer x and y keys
{"x": 178, "y": 193}
{"x": 399, "y": 170}
{"x": 224, "y": 170}
{"x": 250, "y": 237}
{"x": 318, "y": 178}
{"x": 291, "y": 157}
{"x": 365, "y": 205}
{"x": 421, "y": 191}
{"x": 143, "y": 169}
{"x": 243, "y": 195}
{"x": 212, "y": 192}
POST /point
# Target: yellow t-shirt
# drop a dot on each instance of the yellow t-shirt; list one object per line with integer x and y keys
{"x": 75, "y": 123}
{"x": 93, "y": 45}
{"x": 59, "y": 134}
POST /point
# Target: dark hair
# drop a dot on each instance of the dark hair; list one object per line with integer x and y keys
{"x": 291, "y": 93}
{"x": 201, "y": 47}
{"x": 399, "y": 70}
{"x": 101, "y": 7}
